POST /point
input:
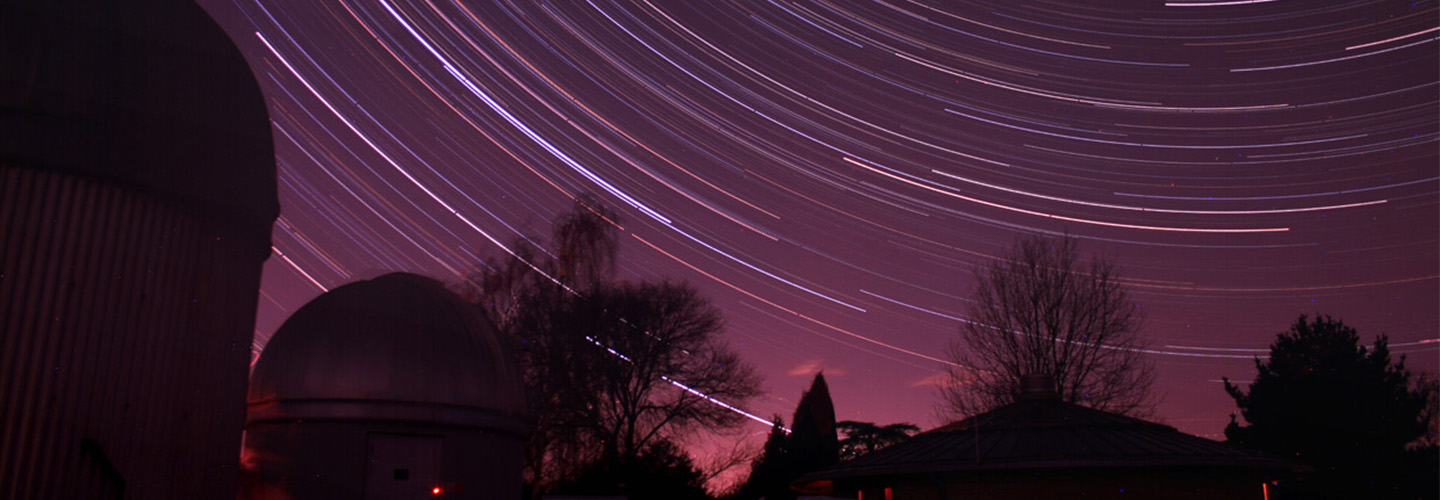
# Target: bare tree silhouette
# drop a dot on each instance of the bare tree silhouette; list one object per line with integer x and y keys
{"x": 1038, "y": 309}
{"x": 612, "y": 369}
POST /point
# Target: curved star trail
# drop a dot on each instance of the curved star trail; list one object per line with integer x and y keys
{"x": 829, "y": 172}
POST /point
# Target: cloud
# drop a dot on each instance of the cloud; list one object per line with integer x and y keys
{"x": 937, "y": 379}
{"x": 812, "y": 367}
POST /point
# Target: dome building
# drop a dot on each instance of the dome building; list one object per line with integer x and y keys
{"x": 137, "y": 190}
{"x": 390, "y": 388}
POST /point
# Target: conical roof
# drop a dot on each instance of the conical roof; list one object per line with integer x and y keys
{"x": 1048, "y": 434}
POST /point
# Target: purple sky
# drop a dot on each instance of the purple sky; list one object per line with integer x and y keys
{"x": 830, "y": 172}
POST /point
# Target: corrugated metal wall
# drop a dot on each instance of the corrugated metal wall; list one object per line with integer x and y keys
{"x": 125, "y": 328}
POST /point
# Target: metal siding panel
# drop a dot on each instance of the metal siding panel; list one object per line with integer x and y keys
{"x": 125, "y": 321}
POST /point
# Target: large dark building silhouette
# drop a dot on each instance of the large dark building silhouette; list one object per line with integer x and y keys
{"x": 1042, "y": 447}
{"x": 137, "y": 190}
{"x": 387, "y": 389}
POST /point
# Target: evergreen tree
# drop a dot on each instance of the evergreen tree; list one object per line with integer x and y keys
{"x": 813, "y": 442}
{"x": 866, "y": 437}
{"x": 809, "y": 446}
{"x": 1324, "y": 400}
{"x": 770, "y": 473}
{"x": 662, "y": 471}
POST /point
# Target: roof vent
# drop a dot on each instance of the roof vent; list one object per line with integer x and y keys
{"x": 1038, "y": 386}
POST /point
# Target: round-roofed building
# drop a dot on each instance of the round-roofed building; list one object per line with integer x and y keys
{"x": 385, "y": 388}
{"x": 137, "y": 190}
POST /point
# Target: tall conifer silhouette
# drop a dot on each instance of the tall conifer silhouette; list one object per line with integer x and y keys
{"x": 813, "y": 442}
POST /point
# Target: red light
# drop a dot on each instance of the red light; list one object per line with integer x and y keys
{"x": 437, "y": 491}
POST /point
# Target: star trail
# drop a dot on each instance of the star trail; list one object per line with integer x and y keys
{"x": 829, "y": 172}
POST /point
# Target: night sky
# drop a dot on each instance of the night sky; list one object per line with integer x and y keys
{"x": 830, "y": 172}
